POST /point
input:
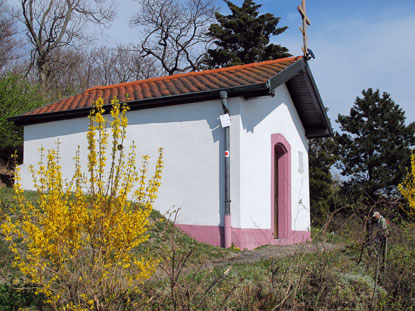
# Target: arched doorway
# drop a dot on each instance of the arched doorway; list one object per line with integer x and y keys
{"x": 280, "y": 187}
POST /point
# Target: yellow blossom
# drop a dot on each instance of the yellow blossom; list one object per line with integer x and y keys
{"x": 81, "y": 233}
{"x": 407, "y": 188}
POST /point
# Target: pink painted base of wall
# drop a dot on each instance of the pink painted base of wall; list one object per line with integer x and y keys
{"x": 242, "y": 238}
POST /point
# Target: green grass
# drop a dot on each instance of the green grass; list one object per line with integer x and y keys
{"x": 320, "y": 235}
{"x": 160, "y": 232}
{"x": 160, "y": 236}
{"x": 11, "y": 297}
{"x": 318, "y": 281}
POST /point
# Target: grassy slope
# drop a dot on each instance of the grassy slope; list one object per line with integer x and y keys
{"x": 320, "y": 281}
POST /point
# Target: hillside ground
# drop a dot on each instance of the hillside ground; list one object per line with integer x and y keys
{"x": 320, "y": 275}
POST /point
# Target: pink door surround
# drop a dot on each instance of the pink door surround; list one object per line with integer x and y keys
{"x": 250, "y": 238}
{"x": 280, "y": 186}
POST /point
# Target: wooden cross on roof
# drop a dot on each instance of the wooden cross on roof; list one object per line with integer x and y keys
{"x": 306, "y": 21}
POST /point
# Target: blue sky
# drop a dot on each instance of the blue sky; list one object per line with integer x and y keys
{"x": 358, "y": 45}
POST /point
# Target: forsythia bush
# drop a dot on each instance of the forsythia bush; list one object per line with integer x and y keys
{"x": 407, "y": 188}
{"x": 78, "y": 242}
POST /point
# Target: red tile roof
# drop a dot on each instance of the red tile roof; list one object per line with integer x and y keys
{"x": 180, "y": 84}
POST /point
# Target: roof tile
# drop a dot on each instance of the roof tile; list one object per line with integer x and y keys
{"x": 180, "y": 84}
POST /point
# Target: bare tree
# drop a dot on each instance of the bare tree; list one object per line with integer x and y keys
{"x": 142, "y": 67}
{"x": 72, "y": 71}
{"x": 121, "y": 64}
{"x": 9, "y": 43}
{"x": 54, "y": 24}
{"x": 175, "y": 31}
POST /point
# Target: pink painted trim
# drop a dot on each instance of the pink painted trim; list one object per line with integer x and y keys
{"x": 242, "y": 238}
{"x": 253, "y": 238}
{"x": 213, "y": 235}
{"x": 279, "y": 142}
{"x": 228, "y": 231}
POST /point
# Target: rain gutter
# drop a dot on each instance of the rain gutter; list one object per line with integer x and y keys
{"x": 227, "y": 216}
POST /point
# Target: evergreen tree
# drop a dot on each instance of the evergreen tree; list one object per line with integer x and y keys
{"x": 244, "y": 36}
{"x": 16, "y": 96}
{"x": 376, "y": 145}
{"x": 322, "y": 155}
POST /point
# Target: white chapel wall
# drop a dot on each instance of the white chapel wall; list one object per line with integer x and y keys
{"x": 192, "y": 139}
{"x": 193, "y": 143}
{"x": 261, "y": 117}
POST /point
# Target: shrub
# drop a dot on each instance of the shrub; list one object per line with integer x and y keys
{"x": 407, "y": 188}
{"x": 399, "y": 277}
{"x": 13, "y": 299}
{"x": 77, "y": 242}
{"x": 17, "y": 96}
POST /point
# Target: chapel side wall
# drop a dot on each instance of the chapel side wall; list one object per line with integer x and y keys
{"x": 192, "y": 139}
{"x": 260, "y": 118}
{"x": 70, "y": 134}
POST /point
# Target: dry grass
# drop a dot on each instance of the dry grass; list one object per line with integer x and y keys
{"x": 196, "y": 276}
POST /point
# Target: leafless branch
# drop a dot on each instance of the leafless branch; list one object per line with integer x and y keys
{"x": 9, "y": 42}
{"x": 56, "y": 24}
{"x": 175, "y": 32}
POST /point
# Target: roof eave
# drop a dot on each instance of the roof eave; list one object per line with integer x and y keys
{"x": 289, "y": 73}
{"x": 286, "y": 74}
{"x": 246, "y": 90}
{"x": 319, "y": 101}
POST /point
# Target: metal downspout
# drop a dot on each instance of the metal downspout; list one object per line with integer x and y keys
{"x": 227, "y": 220}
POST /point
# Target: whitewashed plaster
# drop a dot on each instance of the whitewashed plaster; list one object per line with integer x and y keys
{"x": 193, "y": 143}
{"x": 192, "y": 140}
{"x": 260, "y": 118}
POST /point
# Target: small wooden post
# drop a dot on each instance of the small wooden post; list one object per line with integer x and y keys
{"x": 372, "y": 303}
{"x": 385, "y": 254}
{"x": 306, "y": 21}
